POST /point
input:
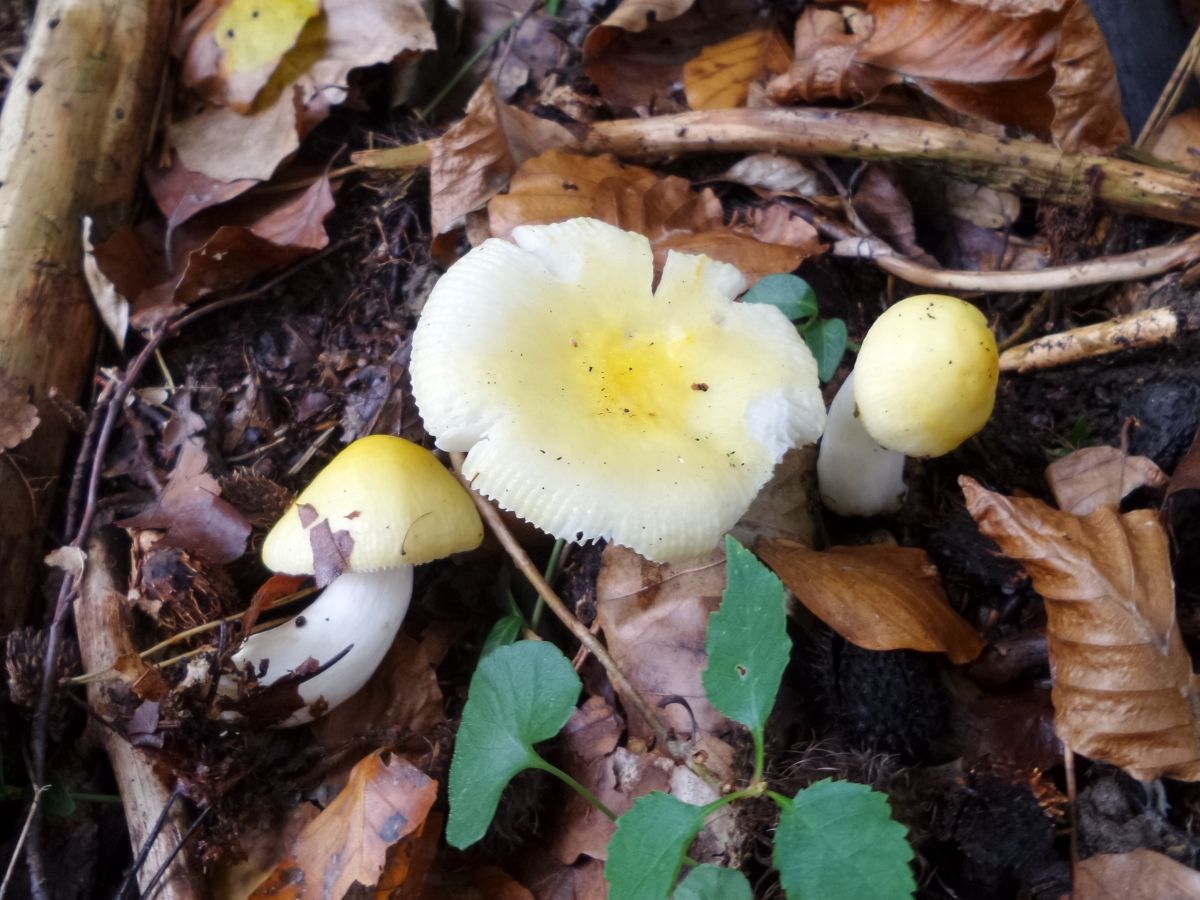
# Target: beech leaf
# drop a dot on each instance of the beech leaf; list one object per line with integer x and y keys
{"x": 721, "y": 75}
{"x": 876, "y": 596}
{"x": 520, "y": 694}
{"x": 1093, "y": 477}
{"x": 1139, "y": 875}
{"x": 1123, "y": 685}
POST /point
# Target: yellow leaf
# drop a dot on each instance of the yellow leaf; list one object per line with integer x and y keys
{"x": 720, "y": 77}
{"x": 253, "y": 35}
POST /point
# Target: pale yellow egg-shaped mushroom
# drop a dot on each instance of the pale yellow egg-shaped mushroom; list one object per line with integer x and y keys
{"x": 397, "y": 502}
{"x": 926, "y": 375}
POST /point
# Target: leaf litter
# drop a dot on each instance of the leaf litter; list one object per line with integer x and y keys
{"x": 243, "y": 188}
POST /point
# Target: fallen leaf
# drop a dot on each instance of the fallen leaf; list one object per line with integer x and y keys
{"x": 112, "y": 306}
{"x": 655, "y": 622}
{"x": 887, "y": 211}
{"x": 1087, "y": 479}
{"x": 331, "y": 551}
{"x": 784, "y": 508}
{"x": 1139, "y": 875}
{"x": 635, "y": 56}
{"x": 410, "y": 860}
{"x": 877, "y": 596}
{"x": 18, "y": 417}
{"x": 191, "y": 511}
{"x": 720, "y": 77}
{"x": 145, "y": 680}
{"x": 311, "y": 78}
{"x": 181, "y": 193}
{"x": 237, "y": 45}
{"x": 1179, "y": 139}
{"x": 383, "y": 801}
{"x": 981, "y": 205}
{"x": 1046, "y": 68}
{"x": 474, "y": 159}
{"x": 776, "y": 174}
{"x": 558, "y": 185}
{"x": 1123, "y": 684}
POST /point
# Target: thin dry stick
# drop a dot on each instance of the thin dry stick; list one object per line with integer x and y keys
{"x": 1103, "y": 270}
{"x": 522, "y": 561}
{"x": 1138, "y": 331}
{"x": 1171, "y": 92}
{"x": 16, "y": 854}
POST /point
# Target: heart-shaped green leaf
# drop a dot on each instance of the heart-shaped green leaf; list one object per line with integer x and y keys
{"x": 646, "y": 853}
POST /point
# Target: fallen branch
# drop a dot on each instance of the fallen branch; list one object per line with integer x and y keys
{"x": 1028, "y": 168}
{"x": 1138, "y": 331}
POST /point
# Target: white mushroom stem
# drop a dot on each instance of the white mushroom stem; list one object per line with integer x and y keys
{"x": 857, "y": 477}
{"x": 359, "y": 613}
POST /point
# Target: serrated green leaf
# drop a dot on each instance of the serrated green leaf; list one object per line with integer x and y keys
{"x": 748, "y": 645}
{"x": 826, "y": 338}
{"x": 709, "y": 882}
{"x": 790, "y": 294}
{"x": 646, "y": 853}
{"x": 520, "y": 694}
{"x": 838, "y": 841}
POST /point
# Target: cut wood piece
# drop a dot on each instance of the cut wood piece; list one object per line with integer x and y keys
{"x": 72, "y": 140}
{"x": 103, "y": 621}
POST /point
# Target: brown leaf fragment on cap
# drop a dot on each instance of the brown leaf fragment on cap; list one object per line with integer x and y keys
{"x": 331, "y": 552}
{"x": 1124, "y": 692}
{"x": 877, "y": 596}
{"x": 1087, "y": 479}
{"x": 307, "y": 513}
{"x": 18, "y": 417}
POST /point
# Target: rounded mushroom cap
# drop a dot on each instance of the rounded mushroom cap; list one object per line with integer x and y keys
{"x": 926, "y": 375}
{"x": 396, "y": 501}
{"x": 596, "y": 407}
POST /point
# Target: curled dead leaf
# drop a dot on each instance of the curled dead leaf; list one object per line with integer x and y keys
{"x": 1124, "y": 692}
{"x": 559, "y": 185}
{"x": 1087, "y": 479}
{"x": 720, "y": 77}
{"x": 385, "y": 799}
{"x": 1139, "y": 875}
{"x": 877, "y": 596}
{"x": 18, "y": 417}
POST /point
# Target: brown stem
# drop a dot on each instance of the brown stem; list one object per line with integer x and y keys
{"x": 1137, "y": 331}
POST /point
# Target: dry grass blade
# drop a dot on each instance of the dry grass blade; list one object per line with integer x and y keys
{"x": 1124, "y": 691}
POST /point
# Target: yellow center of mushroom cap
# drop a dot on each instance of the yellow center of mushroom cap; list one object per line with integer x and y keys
{"x": 926, "y": 375}
{"x": 393, "y": 499}
{"x": 595, "y": 406}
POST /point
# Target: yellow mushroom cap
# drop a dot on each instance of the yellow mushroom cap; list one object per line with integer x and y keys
{"x": 596, "y": 407}
{"x": 926, "y": 375}
{"x": 398, "y": 503}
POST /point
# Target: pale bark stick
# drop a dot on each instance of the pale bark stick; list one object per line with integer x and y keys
{"x": 102, "y": 616}
{"x": 72, "y": 139}
{"x": 1138, "y": 331}
{"x": 1028, "y": 168}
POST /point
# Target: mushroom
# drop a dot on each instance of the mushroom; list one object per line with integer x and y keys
{"x": 925, "y": 381}
{"x": 382, "y": 506}
{"x": 597, "y": 408}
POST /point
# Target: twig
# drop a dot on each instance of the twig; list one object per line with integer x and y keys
{"x": 1028, "y": 168}
{"x": 1103, "y": 270}
{"x": 144, "y": 852}
{"x": 1171, "y": 92}
{"x": 166, "y": 864}
{"x": 16, "y": 854}
{"x": 1140, "y": 330}
{"x": 522, "y": 561}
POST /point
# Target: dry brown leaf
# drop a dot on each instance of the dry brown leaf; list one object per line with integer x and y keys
{"x": 181, "y": 193}
{"x": 192, "y": 512}
{"x": 636, "y": 56}
{"x": 1179, "y": 140}
{"x": 1093, "y": 477}
{"x": 474, "y": 159}
{"x": 981, "y": 205}
{"x": 1086, "y": 97}
{"x": 18, "y": 417}
{"x": 887, "y": 211}
{"x": 876, "y": 596}
{"x": 995, "y": 61}
{"x": 384, "y": 800}
{"x": 311, "y": 78}
{"x": 785, "y": 507}
{"x": 558, "y": 185}
{"x": 720, "y": 77}
{"x": 1123, "y": 685}
{"x": 774, "y": 174}
{"x": 1139, "y": 875}
{"x": 655, "y": 622}
{"x": 410, "y": 860}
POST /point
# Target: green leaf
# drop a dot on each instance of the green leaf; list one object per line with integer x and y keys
{"x": 709, "y": 882}
{"x": 788, "y": 293}
{"x": 506, "y": 630}
{"x": 748, "y": 645}
{"x": 646, "y": 853}
{"x": 520, "y": 694}
{"x": 826, "y": 339}
{"x": 838, "y": 841}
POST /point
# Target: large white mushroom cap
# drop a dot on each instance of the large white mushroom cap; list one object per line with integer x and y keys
{"x": 596, "y": 407}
